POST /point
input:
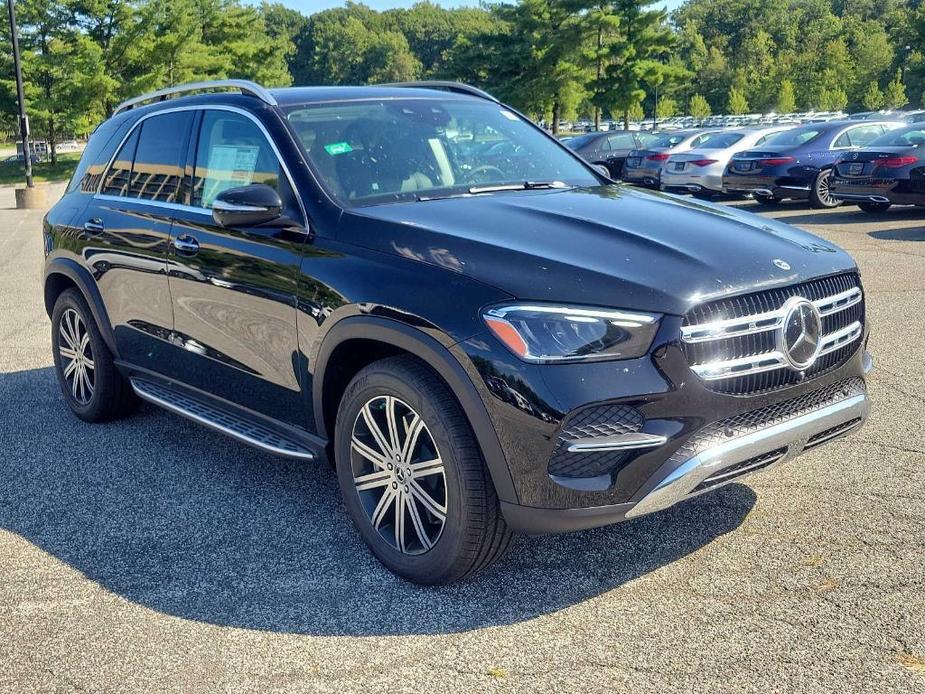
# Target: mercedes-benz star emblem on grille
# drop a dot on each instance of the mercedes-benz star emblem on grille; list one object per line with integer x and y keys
{"x": 782, "y": 264}
{"x": 800, "y": 335}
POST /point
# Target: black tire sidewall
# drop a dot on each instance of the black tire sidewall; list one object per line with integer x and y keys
{"x": 814, "y": 198}
{"x": 440, "y": 561}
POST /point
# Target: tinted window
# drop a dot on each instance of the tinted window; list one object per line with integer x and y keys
{"x": 798, "y": 136}
{"x": 622, "y": 141}
{"x": 381, "y": 150}
{"x": 157, "y": 171}
{"x": 232, "y": 151}
{"x": 668, "y": 141}
{"x": 120, "y": 173}
{"x": 581, "y": 140}
{"x": 719, "y": 140}
{"x": 645, "y": 139}
{"x": 908, "y": 137}
{"x": 864, "y": 135}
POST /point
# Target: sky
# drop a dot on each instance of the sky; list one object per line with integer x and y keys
{"x": 309, "y": 6}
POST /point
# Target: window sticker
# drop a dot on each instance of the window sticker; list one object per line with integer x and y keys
{"x": 229, "y": 166}
{"x": 336, "y": 148}
{"x": 509, "y": 115}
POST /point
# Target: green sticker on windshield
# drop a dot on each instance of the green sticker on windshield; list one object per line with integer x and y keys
{"x": 336, "y": 148}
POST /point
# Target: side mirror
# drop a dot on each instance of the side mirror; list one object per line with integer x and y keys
{"x": 246, "y": 206}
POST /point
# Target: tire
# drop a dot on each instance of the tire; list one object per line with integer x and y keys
{"x": 472, "y": 533}
{"x": 92, "y": 386}
{"x": 819, "y": 195}
{"x": 874, "y": 207}
{"x": 766, "y": 200}
{"x": 705, "y": 195}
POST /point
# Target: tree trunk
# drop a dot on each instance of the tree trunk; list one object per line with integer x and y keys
{"x": 556, "y": 110}
{"x": 600, "y": 62}
{"x": 626, "y": 119}
{"x": 52, "y": 140}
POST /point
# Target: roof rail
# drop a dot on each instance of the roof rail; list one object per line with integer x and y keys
{"x": 243, "y": 86}
{"x": 457, "y": 87}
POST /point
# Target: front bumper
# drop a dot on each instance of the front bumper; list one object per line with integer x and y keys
{"x": 720, "y": 453}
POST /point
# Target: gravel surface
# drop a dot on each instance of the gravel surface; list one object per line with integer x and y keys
{"x": 153, "y": 555}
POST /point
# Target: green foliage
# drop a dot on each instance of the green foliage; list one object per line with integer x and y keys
{"x": 737, "y": 103}
{"x": 699, "y": 107}
{"x": 786, "y": 101}
{"x": 895, "y": 94}
{"x": 667, "y": 107}
{"x": 873, "y": 97}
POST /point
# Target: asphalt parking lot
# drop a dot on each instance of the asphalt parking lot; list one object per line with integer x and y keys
{"x": 153, "y": 555}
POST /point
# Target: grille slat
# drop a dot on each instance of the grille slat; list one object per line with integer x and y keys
{"x": 745, "y": 345}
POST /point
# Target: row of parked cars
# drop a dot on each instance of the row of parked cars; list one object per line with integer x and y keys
{"x": 874, "y": 164}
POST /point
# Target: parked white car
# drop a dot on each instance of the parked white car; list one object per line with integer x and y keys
{"x": 700, "y": 170}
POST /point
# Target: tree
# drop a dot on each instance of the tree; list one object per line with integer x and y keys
{"x": 834, "y": 99}
{"x": 667, "y": 107}
{"x": 895, "y": 94}
{"x": 737, "y": 104}
{"x": 633, "y": 58}
{"x": 699, "y": 107}
{"x": 786, "y": 101}
{"x": 873, "y": 98}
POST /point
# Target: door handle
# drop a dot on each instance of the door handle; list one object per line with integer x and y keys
{"x": 94, "y": 226}
{"x": 186, "y": 244}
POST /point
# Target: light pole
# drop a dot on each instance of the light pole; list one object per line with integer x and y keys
{"x": 20, "y": 96}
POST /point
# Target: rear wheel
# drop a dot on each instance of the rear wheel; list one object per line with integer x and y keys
{"x": 820, "y": 193}
{"x": 873, "y": 207}
{"x": 412, "y": 476}
{"x": 92, "y": 386}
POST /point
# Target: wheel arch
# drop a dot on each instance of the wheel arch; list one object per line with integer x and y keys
{"x": 387, "y": 337}
{"x": 64, "y": 273}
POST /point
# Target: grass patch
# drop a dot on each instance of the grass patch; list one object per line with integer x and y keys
{"x": 498, "y": 673}
{"x": 11, "y": 172}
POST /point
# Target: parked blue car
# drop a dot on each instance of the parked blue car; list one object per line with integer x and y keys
{"x": 797, "y": 163}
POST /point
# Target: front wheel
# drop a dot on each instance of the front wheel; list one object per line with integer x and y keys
{"x": 412, "y": 476}
{"x": 820, "y": 193}
{"x": 874, "y": 207}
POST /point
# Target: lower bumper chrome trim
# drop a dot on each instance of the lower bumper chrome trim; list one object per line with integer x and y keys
{"x": 791, "y": 435}
{"x": 622, "y": 442}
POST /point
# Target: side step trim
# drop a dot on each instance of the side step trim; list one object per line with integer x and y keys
{"x": 221, "y": 420}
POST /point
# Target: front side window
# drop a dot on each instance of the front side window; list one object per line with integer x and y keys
{"x": 622, "y": 141}
{"x": 232, "y": 152}
{"x": 384, "y": 150}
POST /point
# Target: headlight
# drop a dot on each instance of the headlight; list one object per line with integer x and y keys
{"x": 541, "y": 334}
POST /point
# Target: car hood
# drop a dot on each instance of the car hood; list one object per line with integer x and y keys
{"x": 609, "y": 245}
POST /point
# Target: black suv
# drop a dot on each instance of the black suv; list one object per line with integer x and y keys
{"x": 479, "y": 330}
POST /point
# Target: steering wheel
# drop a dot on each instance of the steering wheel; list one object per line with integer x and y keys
{"x": 478, "y": 174}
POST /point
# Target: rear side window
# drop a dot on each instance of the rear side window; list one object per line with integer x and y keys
{"x": 157, "y": 171}
{"x": 149, "y": 164}
{"x": 232, "y": 152}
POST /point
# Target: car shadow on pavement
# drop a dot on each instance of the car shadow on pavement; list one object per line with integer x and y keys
{"x": 901, "y": 234}
{"x": 190, "y": 523}
{"x": 853, "y": 215}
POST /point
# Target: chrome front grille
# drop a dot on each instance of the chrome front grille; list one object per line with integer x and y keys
{"x": 732, "y": 344}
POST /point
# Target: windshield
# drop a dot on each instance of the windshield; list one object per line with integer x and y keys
{"x": 382, "y": 150}
{"x": 793, "y": 137}
{"x": 910, "y": 137}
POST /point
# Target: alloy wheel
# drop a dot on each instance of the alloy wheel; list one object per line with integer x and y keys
{"x": 76, "y": 356}
{"x": 824, "y": 189}
{"x": 398, "y": 474}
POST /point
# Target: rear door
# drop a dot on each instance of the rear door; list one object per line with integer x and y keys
{"x": 234, "y": 289}
{"x": 127, "y": 226}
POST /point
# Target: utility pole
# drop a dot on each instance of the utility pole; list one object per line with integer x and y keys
{"x": 20, "y": 96}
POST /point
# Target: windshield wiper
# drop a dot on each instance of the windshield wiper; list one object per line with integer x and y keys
{"x": 501, "y": 187}
{"x": 526, "y": 185}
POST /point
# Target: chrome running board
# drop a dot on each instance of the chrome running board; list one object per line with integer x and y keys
{"x": 222, "y": 420}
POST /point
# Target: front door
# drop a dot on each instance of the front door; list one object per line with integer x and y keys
{"x": 234, "y": 289}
